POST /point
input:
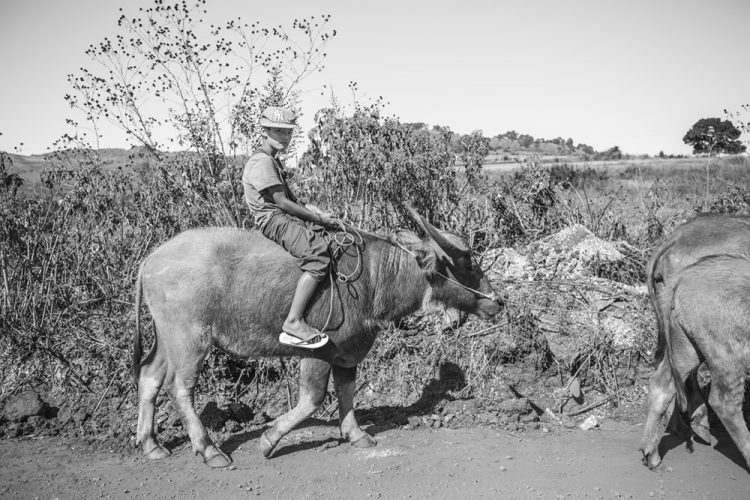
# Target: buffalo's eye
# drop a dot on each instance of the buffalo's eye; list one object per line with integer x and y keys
{"x": 467, "y": 263}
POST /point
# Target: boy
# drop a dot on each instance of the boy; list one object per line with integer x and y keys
{"x": 283, "y": 219}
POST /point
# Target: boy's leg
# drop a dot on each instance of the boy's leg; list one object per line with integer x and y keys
{"x": 295, "y": 323}
{"x": 306, "y": 242}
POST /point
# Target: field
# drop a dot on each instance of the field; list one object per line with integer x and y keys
{"x": 79, "y": 235}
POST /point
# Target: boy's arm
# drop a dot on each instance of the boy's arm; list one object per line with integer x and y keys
{"x": 280, "y": 200}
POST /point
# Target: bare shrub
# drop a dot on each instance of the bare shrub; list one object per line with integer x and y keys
{"x": 735, "y": 200}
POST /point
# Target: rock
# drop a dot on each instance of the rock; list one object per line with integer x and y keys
{"x": 232, "y": 426}
{"x": 81, "y": 416}
{"x": 241, "y": 412}
{"x": 64, "y": 414}
{"x": 22, "y": 406}
{"x": 212, "y": 417}
{"x": 488, "y": 418}
{"x": 574, "y": 387}
{"x": 460, "y": 406}
{"x": 566, "y": 254}
{"x": 510, "y": 264}
{"x": 261, "y": 418}
{"x": 515, "y": 405}
{"x": 330, "y": 444}
{"x": 12, "y": 430}
{"x": 589, "y": 423}
{"x": 36, "y": 421}
{"x": 414, "y": 421}
{"x": 529, "y": 417}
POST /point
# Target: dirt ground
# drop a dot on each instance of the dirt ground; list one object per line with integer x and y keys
{"x": 477, "y": 462}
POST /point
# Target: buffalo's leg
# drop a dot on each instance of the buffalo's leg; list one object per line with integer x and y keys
{"x": 182, "y": 391}
{"x": 699, "y": 416}
{"x": 344, "y": 380}
{"x": 727, "y": 394}
{"x": 150, "y": 381}
{"x": 661, "y": 393}
{"x": 313, "y": 382}
{"x": 181, "y": 363}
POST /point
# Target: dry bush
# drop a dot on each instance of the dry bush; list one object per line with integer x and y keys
{"x": 69, "y": 261}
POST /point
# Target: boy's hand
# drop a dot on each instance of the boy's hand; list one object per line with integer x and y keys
{"x": 314, "y": 209}
{"x": 327, "y": 221}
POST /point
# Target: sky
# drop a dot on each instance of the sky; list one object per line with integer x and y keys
{"x": 635, "y": 73}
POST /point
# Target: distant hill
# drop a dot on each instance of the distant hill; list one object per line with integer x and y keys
{"x": 510, "y": 147}
{"x": 30, "y": 167}
{"x": 513, "y": 147}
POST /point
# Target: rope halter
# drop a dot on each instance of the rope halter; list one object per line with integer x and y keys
{"x": 492, "y": 296}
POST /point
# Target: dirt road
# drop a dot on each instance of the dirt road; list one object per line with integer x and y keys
{"x": 422, "y": 463}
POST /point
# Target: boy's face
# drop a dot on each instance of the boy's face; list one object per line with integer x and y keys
{"x": 279, "y": 137}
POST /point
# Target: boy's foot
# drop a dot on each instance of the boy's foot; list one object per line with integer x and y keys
{"x": 318, "y": 340}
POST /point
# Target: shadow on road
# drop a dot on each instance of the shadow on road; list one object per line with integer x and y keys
{"x": 433, "y": 397}
{"x": 375, "y": 420}
{"x": 681, "y": 434}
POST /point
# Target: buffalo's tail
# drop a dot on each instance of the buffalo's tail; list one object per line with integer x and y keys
{"x": 663, "y": 308}
{"x": 137, "y": 348}
{"x": 651, "y": 283}
{"x": 679, "y": 383}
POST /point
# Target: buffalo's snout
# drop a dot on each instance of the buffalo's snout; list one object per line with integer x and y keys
{"x": 489, "y": 308}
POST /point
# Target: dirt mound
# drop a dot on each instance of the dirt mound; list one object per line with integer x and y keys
{"x": 573, "y": 253}
{"x": 585, "y": 315}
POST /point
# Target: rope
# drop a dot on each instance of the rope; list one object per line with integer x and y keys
{"x": 491, "y": 296}
{"x": 343, "y": 240}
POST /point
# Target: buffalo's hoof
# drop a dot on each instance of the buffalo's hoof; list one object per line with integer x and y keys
{"x": 217, "y": 459}
{"x": 365, "y": 441}
{"x": 703, "y": 433}
{"x": 265, "y": 445}
{"x": 651, "y": 460}
{"x": 157, "y": 452}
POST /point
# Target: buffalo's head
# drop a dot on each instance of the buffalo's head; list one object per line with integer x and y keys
{"x": 455, "y": 278}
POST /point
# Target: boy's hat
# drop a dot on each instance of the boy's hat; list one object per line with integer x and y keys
{"x": 277, "y": 117}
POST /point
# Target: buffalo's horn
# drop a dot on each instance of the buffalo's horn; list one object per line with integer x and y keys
{"x": 445, "y": 245}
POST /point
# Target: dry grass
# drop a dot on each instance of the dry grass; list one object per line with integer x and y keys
{"x": 68, "y": 267}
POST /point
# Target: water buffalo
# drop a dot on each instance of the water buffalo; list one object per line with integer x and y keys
{"x": 708, "y": 319}
{"x": 702, "y": 236}
{"x": 232, "y": 288}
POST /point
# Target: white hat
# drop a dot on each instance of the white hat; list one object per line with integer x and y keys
{"x": 277, "y": 117}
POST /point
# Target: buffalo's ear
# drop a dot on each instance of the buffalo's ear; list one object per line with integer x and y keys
{"x": 427, "y": 260}
{"x": 424, "y": 252}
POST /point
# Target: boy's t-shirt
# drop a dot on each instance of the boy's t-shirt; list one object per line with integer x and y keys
{"x": 262, "y": 172}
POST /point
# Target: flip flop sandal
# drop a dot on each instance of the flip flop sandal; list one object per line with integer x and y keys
{"x": 317, "y": 341}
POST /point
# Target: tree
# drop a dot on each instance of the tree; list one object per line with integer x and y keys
{"x": 612, "y": 153}
{"x": 525, "y": 140}
{"x": 713, "y": 135}
{"x": 246, "y": 133}
{"x": 167, "y": 77}
{"x": 369, "y": 166}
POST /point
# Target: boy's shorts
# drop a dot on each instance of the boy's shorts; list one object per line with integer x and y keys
{"x": 304, "y": 240}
